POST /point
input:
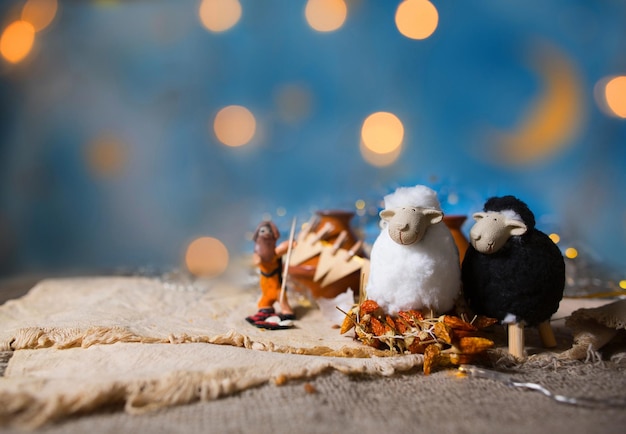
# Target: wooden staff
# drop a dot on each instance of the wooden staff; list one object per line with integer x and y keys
{"x": 288, "y": 258}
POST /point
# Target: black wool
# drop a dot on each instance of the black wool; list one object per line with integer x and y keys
{"x": 526, "y": 277}
{"x": 499, "y": 204}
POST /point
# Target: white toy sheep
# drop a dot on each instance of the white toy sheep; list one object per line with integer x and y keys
{"x": 414, "y": 262}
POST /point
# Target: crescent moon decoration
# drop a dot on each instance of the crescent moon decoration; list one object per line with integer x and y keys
{"x": 552, "y": 120}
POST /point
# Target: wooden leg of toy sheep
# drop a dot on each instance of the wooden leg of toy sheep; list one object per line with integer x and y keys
{"x": 516, "y": 339}
{"x": 547, "y": 335}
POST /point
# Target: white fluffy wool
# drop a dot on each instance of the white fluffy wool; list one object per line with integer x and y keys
{"x": 424, "y": 275}
{"x": 420, "y": 195}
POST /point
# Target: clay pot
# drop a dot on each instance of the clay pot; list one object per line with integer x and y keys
{"x": 302, "y": 274}
{"x": 454, "y": 223}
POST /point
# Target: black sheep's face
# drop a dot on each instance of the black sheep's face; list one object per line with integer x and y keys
{"x": 407, "y": 225}
{"x": 492, "y": 230}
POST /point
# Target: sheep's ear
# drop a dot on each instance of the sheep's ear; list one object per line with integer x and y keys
{"x": 434, "y": 216}
{"x": 387, "y": 214}
{"x": 478, "y": 215}
{"x": 516, "y": 227}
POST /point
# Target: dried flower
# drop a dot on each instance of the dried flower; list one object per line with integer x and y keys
{"x": 444, "y": 341}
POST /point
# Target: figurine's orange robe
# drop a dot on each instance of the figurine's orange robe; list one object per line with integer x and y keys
{"x": 270, "y": 282}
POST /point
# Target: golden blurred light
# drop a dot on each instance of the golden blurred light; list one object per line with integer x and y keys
{"x": 40, "y": 13}
{"x": 555, "y": 238}
{"x": 219, "y": 15}
{"x": 106, "y": 155}
{"x": 360, "y": 204}
{"x": 234, "y": 125}
{"x": 615, "y": 94}
{"x": 325, "y": 15}
{"x": 206, "y": 257}
{"x": 377, "y": 159}
{"x": 622, "y": 284}
{"x": 417, "y": 19}
{"x": 17, "y": 40}
{"x": 382, "y": 132}
{"x": 571, "y": 253}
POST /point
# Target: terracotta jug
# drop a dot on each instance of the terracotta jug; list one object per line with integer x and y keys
{"x": 302, "y": 274}
{"x": 454, "y": 223}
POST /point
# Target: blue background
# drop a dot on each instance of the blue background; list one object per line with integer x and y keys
{"x": 149, "y": 74}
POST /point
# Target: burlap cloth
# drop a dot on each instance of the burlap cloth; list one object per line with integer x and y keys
{"x": 84, "y": 346}
{"x": 61, "y": 367}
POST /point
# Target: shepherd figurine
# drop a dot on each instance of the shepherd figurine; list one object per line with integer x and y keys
{"x": 268, "y": 258}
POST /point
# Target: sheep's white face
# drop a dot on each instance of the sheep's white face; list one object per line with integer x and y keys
{"x": 492, "y": 230}
{"x": 407, "y": 225}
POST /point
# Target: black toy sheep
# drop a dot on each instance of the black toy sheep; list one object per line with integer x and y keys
{"x": 512, "y": 271}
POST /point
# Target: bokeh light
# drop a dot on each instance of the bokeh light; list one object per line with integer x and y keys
{"x": 615, "y": 93}
{"x": 359, "y": 204}
{"x": 326, "y": 15}
{"x": 40, "y": 13}
{"x": 219, "y": 15}
{"x": 206, "y": 257}
{"x": 382, "y": 132}
{"x": 234, "y": 125}
{"x": 571, "y": 253}
{"x": 453, "y": 198}
{"x": 520, "y": 105}
{"x": 417, "y": 19}
{"x": 377, "y": 159}
{"x": 106, "y": 155}
{"x": 381, "y": 139}
{"x": 555, "y": 238}
{"x": 622, "y": 284}
{"x": 17, "y": 41}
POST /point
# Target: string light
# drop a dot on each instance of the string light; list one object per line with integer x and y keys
{"x": 325, "y": 15}
{"x": 571, "y": 253}
{"x": 219, "y": 15}
{"x": 17, "y": 41}
{"x": 106, "y": 155}
{"x": 417, "y": 19}
{"x": 377, "y": 159}
{"x": 234, "y": 125}
{"x": 382, "y": 132}
{"x": 615, "y": 94}
{"x": 206, "y": 257}
{"x": 453, "y": 199}
{"x": 555, "y": 238}
{"x": 40, "y": 13}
